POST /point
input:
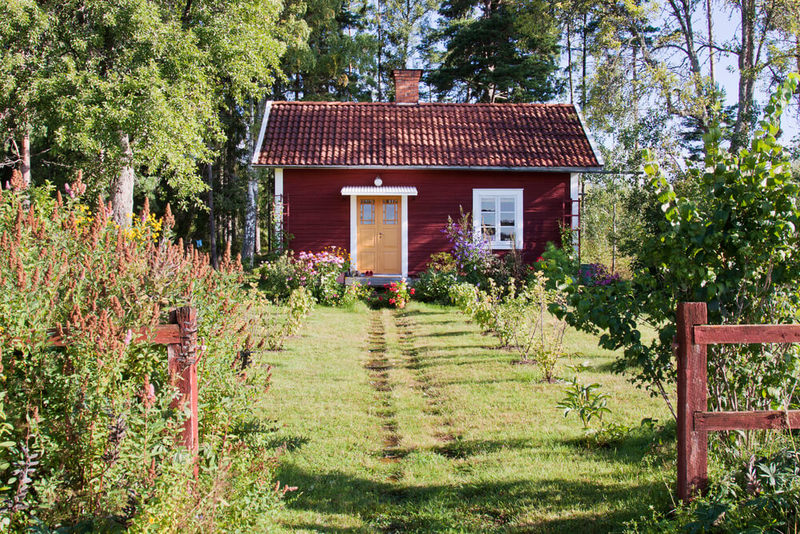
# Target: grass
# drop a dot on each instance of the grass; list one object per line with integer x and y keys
{"x": 412, "y": 421}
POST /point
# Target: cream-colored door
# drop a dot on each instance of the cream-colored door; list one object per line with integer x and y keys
{"x": 379, "y": 235}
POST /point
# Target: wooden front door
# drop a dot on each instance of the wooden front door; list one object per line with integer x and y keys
{"x": 379, "y": 235}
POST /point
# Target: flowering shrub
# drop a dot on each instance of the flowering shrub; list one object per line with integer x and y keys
{"x": 596, "y": 274}
{"x": 398, "y": 295}
{"x": 473, "y": 258}
{"x": 321, "y": 274}
{"x": 88, "y": 435}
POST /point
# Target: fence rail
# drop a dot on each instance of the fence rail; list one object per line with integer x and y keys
{"x": 694, "y": 419}
{"x": 180, "y": 337}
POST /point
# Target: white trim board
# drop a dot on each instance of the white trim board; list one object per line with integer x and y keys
{"x": 264, "y": 120}
{"x": 403, "y": 232}
{"x": 278, "y": 202}
{"x": 575, "y": 195}
{"x": 592, "y": 142}
{"x": 519, "y": 223}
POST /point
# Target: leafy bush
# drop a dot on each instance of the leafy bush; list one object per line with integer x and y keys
{"x": 584, "y": 400}
{"x": 279, "y": 277}
{"x": 761, "y": 495}
{"x": 322, "y": 274}
{"x": 433, "y": 284}
{"x": 89, "y": 438}
{"x": 731, "y": 243}
{"x": 537, "y": 336}
{"x": 518, "y": 318}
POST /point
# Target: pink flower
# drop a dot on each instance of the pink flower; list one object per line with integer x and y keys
{"x": 391, "y": 301}
{"x": 411, "y": 290}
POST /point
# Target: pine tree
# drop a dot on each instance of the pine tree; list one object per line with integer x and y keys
{"x": 496, "y": 50}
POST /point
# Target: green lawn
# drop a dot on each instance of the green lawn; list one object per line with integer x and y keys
{"x": 412, "y": 421}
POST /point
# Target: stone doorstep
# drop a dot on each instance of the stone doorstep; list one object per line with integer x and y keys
{"x": 378, "y": 280}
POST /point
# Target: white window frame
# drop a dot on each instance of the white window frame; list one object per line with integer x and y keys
{"x": 477, "y": 196}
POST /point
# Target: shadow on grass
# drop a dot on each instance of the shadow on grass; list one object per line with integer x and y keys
{"x": 449, "y": 334}
{"x": 413, "y": 313}
{"x": 631, "y": 447}
{"x": 484, "y": 506}
{"x": 291, "y": 443}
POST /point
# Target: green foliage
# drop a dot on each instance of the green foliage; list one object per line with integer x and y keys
{"x": 337, "y": 60}
{"x": 503, "y": 51}
{"x": 152, "y": 70}
{"x": 88, "y": 435}
{"x": 321, "y": 274}
{"x": 732, "y": 244}
{"x": 518, "y": 318}
{"x": 762, "y": 495}
{"x": 537, "y": 336}
{"x": 433, "y": 284}
{"x": 584, "y": 400}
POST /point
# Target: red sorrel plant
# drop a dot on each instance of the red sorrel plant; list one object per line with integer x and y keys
{"x": 89, "y": 438}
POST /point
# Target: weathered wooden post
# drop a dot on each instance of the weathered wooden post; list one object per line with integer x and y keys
{"x": 182, "y": 361}
{"x": 692, "y": 397}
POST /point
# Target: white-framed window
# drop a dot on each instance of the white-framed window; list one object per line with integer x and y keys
{"x": 497, "y": 217}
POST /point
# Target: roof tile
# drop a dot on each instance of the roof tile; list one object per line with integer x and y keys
{"x": 435, "y": 135}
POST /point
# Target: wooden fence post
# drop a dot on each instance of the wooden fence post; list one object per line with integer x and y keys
{"x": 692, "y": 397}
{"x": 183, "y": 371}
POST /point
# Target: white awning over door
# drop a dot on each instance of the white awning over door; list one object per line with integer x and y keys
{"x": 373, "y": 191}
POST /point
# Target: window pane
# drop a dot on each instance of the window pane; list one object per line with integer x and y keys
{"x": 487, "y": 204}
{"x": 507, "y": 218}
{"x": 489, "y": 231}
{"x": 506, "y": 204}
{"x": 367, "y": 211}
{"x": 488, "y": 219}
{"x": 389, "y": 212}
{"x": 506, "y": 234}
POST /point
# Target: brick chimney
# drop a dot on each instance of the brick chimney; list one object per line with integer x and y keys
{"x": 406, "y": 85}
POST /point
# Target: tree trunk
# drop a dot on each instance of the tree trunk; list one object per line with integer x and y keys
{"x": 569, "y": 62}
{"x": 25, "y": 169}
{"x": 212, "y": 230}
{"x": 583, "y": 62}
{"x": 122, "y": 189}
{"x": 747, "y": 75}
{"x": 250, "y": 221}
{"x": 710, "y": 42}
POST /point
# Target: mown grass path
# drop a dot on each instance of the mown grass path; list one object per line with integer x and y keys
{"x": 412, "y": 421}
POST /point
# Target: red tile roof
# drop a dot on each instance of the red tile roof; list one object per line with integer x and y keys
{"x": 322, "y": 134}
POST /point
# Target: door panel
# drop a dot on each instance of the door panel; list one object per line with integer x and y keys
{"x": 379, "y": 235}
{"x": 389, "y": 236}
{"x": 367, "y": 234}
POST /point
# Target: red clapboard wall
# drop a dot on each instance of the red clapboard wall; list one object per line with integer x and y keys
{"x": 319, "y": 216}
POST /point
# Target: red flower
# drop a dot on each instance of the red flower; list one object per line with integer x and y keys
{"x": 385, "y": 286}
{"x": 539, "y": 259}
{"x": 380, "y": 298}
{"x": 411, "y": 291}
{"x": 391, "y": 301}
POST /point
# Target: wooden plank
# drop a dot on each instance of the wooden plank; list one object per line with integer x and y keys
{"x": 692, "y": 397}
{"x": 163, "y": 334}
{"x": 764, "y": 420}
{"x": 747, "y": 333}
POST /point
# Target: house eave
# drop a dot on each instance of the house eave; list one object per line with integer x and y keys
{"x": 593, "y": 169}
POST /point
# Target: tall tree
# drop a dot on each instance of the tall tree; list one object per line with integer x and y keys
{"x": 337, "y": 60}
{"x": 132, "y": 89}
{"x": 496, "y": 50}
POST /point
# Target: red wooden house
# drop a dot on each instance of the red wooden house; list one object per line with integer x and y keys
{"x": 380, "y": 179}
